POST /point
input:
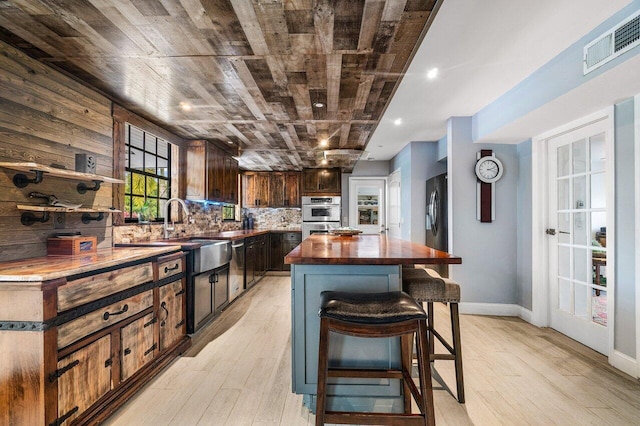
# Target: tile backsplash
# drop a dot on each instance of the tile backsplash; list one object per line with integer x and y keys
{"x": 208, "y": 218}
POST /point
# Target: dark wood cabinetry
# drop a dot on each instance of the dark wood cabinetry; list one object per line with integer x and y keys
{"x": 321, "y": 181}
{"x": 255, "y": 189}
{"x": 270, "y": 189}
{"x": 284, "y": 189}
{"x": 256, "y": 258}
{"x": 281, "y": 244}
{"x": 212, "y": 174}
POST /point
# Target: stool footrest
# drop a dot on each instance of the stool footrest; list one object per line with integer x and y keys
{"x": 442, "y": 340}
{"x": 442, "y": 356}
{"x": 365, "y": 373}
{"x": 338, "y": 417}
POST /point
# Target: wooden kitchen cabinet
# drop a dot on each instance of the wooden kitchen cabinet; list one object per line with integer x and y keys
{"x": 83, "y": 377}
{"x": 138, "y": 345}
{"x": 82, "y": 344}
{"x": 171, "y": 314}
{"x": 212, "y": 174}
{"x": 281, "y": 244}
{"x": 284, "y": 189}
{"x": 321, "y": 182}
{"x": 255, "y": 189}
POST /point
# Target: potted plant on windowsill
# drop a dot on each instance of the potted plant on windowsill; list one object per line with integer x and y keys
{"x": 145, "y": 212}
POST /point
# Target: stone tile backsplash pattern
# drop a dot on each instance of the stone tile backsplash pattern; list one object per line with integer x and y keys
{"x": 276, "y": 218}
{"x": 208, "y": 218}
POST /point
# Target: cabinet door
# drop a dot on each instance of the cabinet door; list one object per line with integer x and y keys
{"x": 290, "y": 241}
{"x": 230, "y": 187}
{"x": 250, "y": 261}
{"x": 196, "y": 173}
{"x": 255, "y": 189}
{"x": 215, "y": 173}
{"x": 137, "y": 347}
{"x": 277, "y": 193}
{"x": 292, "y": 189}
{"x": 329, "y": 181}
{"x": 276, "y": 262}
{"x": 171, "y": 314}
{"x": 84, "y": 377}
{"x": 309, "y": 181}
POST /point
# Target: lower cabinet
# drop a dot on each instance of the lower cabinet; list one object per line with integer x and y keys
{"x": 83, "y": 377}
{"x": 171, "y": 314}
{"x": 138, "y": 345}
{"x": 256, "y": 258}
{"x": 281, "y": 244}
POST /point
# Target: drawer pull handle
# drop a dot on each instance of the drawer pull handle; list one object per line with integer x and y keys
{"x": 173, "y": 268}
{"x": 153, "y": 321}
{"x": 59, "y": 372}
{"x": 127, "y": 351}
{"x": 163, "y": 305}
{"x": 108, "y": 363}
{"x": 151, "y": 349}
{"x": 107, "y": 314}
{"x": 62, "y": 419}
{"x": 180, "y": 292}
{"x": 178, "y": 325}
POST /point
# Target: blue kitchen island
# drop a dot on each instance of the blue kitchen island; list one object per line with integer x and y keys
{"x": 364, "y": 263}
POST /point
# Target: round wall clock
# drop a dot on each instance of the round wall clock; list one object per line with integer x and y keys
{"x": 489, "y": 169}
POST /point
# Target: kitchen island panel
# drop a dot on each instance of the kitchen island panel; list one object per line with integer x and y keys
{"x": 308, "y": 281}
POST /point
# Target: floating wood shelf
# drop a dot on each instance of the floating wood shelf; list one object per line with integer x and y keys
{"x": 66, "y": 210}
{"x": 41, "y": 169}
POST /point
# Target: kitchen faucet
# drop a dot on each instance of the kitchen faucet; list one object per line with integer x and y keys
{"x": 168, "y": 228}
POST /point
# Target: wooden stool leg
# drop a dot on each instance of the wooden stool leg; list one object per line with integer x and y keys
{"x": 406, "y": 355}
{"x": 323, "y": 367}
{"x": 424, "y": 371}
{"x": 455, "y": 330}
{"x": 430, "y": 328}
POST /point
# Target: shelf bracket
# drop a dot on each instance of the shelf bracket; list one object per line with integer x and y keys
{"x": 82, "y": 187}
{"x": 28, "y": 218}
{"x": 87, "y": 218}
{"x": 21, "y": 181}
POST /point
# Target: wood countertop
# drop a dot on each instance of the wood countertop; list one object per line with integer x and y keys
{"x": 365, "y": 250}
{"x": 187, "y": 244}
{"x": 52, "y": 267}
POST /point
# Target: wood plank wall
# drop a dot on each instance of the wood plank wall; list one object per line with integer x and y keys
{"x": 46, "y": 117}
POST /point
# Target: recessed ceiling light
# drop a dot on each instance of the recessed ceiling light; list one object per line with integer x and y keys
{"x": 230, "y": 142}
{"x": 318, "y": 104}
{"x": 432, "y": 73}
{"x": 397, "y": 121}
{"x": 324, "y": 142}
{"x": 185, "y": 106}
{"x": 324, "y": 161}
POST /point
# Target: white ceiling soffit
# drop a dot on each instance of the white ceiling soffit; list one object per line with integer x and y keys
{"x": 482, "y": 49}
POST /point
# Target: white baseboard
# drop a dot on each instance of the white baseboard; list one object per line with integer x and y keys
{"x": 624, "y": 363}
{"x": 497, "y": 309}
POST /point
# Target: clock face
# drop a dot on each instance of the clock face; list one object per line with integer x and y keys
{"x": 489, "y": 169}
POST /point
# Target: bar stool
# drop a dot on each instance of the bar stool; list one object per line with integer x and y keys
{"x": 376, "y": 315}
{"x": 427, "y": 286}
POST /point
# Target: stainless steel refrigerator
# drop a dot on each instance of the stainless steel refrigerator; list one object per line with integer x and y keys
{"x": 437, "y": 218}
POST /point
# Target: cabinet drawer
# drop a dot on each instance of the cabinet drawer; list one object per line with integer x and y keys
{"x": 104, "y": 317}
{"x": 137, "y": 346}
{"x": 293, "y": 236}
{"x": 170, "y": 265}
{"x": 83, "y": 377}
{"x": 88, "y": 289}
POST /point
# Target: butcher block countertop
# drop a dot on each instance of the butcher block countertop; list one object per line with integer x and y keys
{"x": 52, "y": 267}
{"x": 321, "y": 249}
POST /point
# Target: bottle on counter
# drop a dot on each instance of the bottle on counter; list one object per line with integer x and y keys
{"x": 250, "y": 221}
{"x": 245, "y": 223}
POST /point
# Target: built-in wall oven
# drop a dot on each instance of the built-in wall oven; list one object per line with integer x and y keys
{"x": 320, "y": 214}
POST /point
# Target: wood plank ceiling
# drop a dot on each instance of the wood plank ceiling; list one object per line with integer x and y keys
{"x": 268, "y": 79}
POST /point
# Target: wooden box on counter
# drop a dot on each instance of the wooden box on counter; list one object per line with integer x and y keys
{"x": 71, "y": 246}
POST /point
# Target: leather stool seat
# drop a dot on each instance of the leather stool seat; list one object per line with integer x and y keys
{"x": 427, "y": 286}
{"x": 370, "y": 308}
{"x": 376, "y": 315}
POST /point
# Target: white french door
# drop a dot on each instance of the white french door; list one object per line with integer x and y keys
{"x": 367, "y": 204}
{"x": 580, "y": 276}
{"x": 393, "y": 222}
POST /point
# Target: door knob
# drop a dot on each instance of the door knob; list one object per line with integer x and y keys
{"x": 550, "y": 231}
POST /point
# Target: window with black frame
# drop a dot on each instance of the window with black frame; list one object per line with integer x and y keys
{"x": 147, "y": 175}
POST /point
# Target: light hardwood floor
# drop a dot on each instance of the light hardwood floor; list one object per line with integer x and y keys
{"x": 238, "y": 372}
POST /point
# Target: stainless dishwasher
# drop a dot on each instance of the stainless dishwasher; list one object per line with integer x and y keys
{"x": 236, "y": 269}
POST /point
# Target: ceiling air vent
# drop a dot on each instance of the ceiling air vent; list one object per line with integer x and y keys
{"x": 613, "y": 43}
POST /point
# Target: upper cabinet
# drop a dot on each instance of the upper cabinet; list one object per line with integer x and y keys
{"x": 321, "y": 181}
{"x": 270, "y": 189}
{"x": 212, "y": 174}
{"x": 284, "y": 189}
{"x": 255, "y": 189}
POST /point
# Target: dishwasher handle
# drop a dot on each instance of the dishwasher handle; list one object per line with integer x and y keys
{"x": 237, "y": 245}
